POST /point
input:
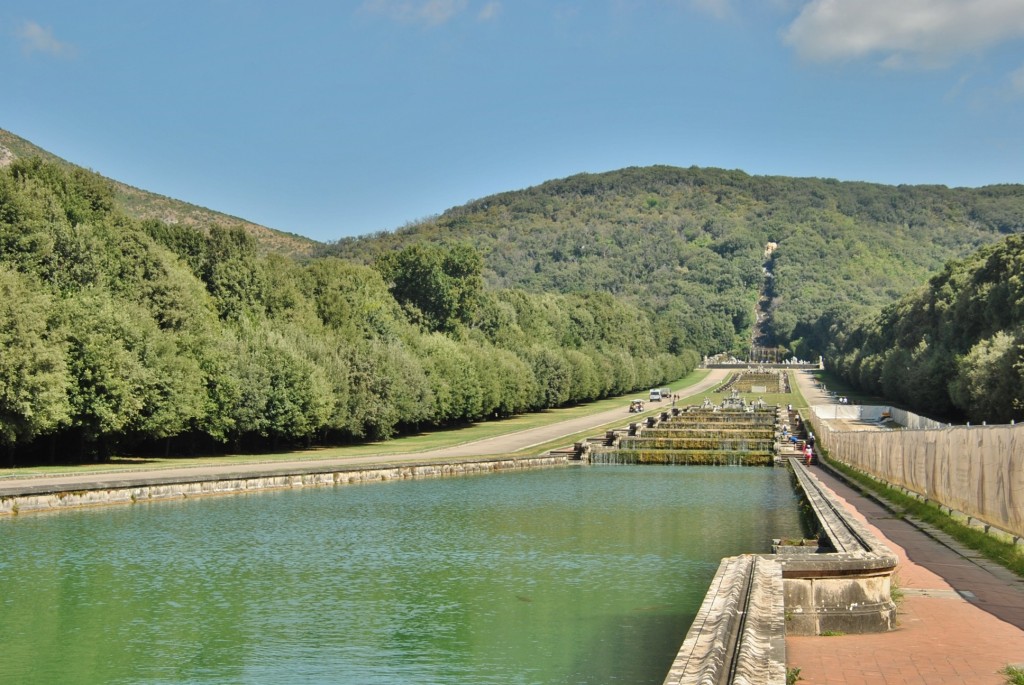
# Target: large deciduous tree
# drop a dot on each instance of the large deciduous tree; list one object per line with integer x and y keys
{"x": 440, "y": 288}
{"x": 33, "y": 375}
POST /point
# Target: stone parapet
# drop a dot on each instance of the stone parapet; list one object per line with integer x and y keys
{"x": 847, "y": 589}
{"x": 738, "y": 635}
{"x": 841, "y": 585}
{"x": 129, "y": 489}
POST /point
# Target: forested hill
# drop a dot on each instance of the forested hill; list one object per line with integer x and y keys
{"x": 684, "y": 242}
{"x": 953, "y": 348}
{"x": 126, "y": 335}
{"x": 142, "y": 204}
{"x": 123, "y": 331}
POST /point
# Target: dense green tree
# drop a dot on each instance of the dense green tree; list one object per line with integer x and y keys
{"x": 953, "y": 348}
{"x": 989, "y": 381}
{"x": 553, "y": 374}
{"x": 506, "y": 382}
{"x": 33, "y": 375}
{"x": 283, "y": 395}
{"x": 105, "y": 340}
{"x": 440, "y": 287}
{"x": 27, "y": 214}
{"x": 84, "y": 196}
{"x": 388, "y": 388}
{"x": 454, "y": 383}
{"x": 233, "y": 274}
{"x": 353, "y": 300}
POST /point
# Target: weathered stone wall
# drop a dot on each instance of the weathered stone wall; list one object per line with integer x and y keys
{"x": 739, "y": 628}
{"x": 185, "y": 488}
{"x": 848, "y": 589}
{"x": 976, "y": 470}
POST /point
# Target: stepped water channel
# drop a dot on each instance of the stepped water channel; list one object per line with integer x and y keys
{"x": 736, "y": 432}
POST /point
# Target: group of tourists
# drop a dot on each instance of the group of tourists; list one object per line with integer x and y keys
{"x": 809, "y": 449}
{"x": 792, "y": 437}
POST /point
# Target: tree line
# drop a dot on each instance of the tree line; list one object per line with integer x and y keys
{"x": 128, "y": 335}
{"x": 952, "y": 349}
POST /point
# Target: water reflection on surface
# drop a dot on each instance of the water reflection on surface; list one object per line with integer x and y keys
{"x": 575, "y": 575}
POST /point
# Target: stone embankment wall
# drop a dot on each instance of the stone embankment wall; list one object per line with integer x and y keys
{"x": 976, "y": 471}
{"x": 185, "y": 487}
{"x": 739, "y": 629}
{"x": 842, "y": 585}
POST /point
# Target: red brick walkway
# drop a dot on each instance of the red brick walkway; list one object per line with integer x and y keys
{"x": 942, "y": 637}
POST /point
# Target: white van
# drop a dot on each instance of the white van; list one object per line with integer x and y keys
{"x": 655, "y": 394}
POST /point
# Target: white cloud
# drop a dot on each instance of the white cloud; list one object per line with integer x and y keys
{"x": 489, "y": 11}
{"x": 720, "y": 9}
{"x": 428, "y": 12}
{"x": 1017, "y": 82}
{"x": 36, "y": 38}
{"x": 903, "y": 33}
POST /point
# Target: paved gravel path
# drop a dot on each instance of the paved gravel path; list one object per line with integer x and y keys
{"x": 502, "y": 444}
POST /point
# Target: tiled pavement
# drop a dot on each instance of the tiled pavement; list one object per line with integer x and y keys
{"x": 961, "y": 619}
{"x": 942, "y": 637}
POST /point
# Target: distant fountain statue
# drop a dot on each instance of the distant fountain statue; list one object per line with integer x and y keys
{"x": 734, "y": 401}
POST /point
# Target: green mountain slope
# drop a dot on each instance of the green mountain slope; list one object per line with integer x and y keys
{"x": 953, "y": 348}
{"x": 677, "y": 240}
{"x": 141, "y": 204}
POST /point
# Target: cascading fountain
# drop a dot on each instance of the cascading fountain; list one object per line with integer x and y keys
{"x": 736, "y": 432}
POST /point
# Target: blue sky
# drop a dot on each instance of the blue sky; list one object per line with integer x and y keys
{"x": 342, "y": 118}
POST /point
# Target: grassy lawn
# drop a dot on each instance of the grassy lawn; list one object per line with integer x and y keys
{"x": 410, "y": 444}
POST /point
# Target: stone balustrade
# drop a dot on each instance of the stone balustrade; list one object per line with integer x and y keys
{"x": 738, "y": 635}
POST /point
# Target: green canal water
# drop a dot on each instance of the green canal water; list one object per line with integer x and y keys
{"x": 561, "y": 576}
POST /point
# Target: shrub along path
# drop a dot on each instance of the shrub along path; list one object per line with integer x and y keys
{"x": 531, "y": 441}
